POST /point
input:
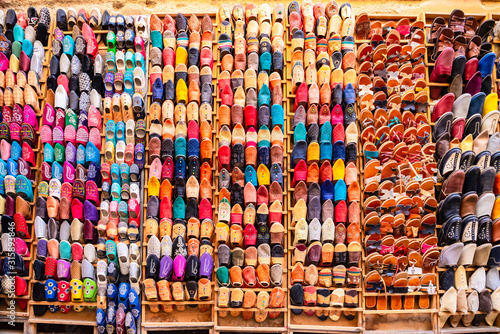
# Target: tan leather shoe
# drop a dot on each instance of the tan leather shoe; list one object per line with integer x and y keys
{"x": 460, "y": 278}
{"x": 449, "y": 301}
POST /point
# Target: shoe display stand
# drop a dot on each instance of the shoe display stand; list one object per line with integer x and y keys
{"x": 305, "y": 323}
{"x": 442, "y": 318}
{"x": 209, "y": 315}
{"x": 22, "y": 315}
{"x": 189, "y": 317}
{"x": 86, "y": 317}
{"x": 224, "y": 321}
{"x": 378, "y": 321}
{"x": 428, "y": 18}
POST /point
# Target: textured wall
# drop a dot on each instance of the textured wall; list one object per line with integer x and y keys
{"x": 135, "y": 7}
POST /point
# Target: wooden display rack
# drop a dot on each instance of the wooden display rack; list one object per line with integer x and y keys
{"x": 191, "y": 317}
{"x": 375, "y": 321}
{"x": 229, "y": 324}
{"x": 428, "y": 18}
{"x": 303, "y": 323}
{"x": 19, "y": 313}
{"x": 87, "y": 317}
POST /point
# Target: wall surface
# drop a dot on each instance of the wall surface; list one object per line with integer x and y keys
{"x": 137, "y": 7}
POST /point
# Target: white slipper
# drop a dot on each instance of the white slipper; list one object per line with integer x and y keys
{"x": 102, "y": 267}
{"x": 153, "y": 246}
{"x": 87, "y": 270}
{"x": 61, "y": 98}
{"x": 166, "y": 246}
{"x": 90, "y": 253}
{"x": 40, "y": 228}
{"x": 135, "y": 272}
{"x": 134, "y": 253}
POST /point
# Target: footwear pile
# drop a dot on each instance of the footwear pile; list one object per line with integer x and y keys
{"x": 398, "y": 196}
{"x": 325, "y": 267}
{"x": 372, "y": 159}
{"x": 22, "y": 40}
{"x": 179, "y": 208}
{"x": 468, "y": 152}
{"x": 125, "y": 87}
{"x": 462, "y": 55}
{"x": 250, "y": 230}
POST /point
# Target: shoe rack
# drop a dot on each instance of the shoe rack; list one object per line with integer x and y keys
{"x": 378, "y": 321}
{"x": 304, "y": 323}
{"x": 22, "y": 314}
{"x": 190, "y": 316}
{"x": 444, "y": 325}
{"x": 428, "y": 18}
{"x": 72, "y": 319}
{"x": 224, "y": 321}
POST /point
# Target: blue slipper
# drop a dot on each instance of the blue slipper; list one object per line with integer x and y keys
{"x": 123, "y": 290}
{"x": 278, "y": 115}
{"x": 180, "y": 168}
{"x": 24, "y": 188}
{"x": 120, "y": 131}
{"x": 115, "y": 172}
{"x": 251, "y": 176}
{"x": 48, "y": 153}
{"x": 486, "y": 64}
{"x": 92, "y": 154}
{"x": 111, "y": 131}
{"x": 3, "y": 168}
{"x": 15, "y": 151}
{"x": 125, "y": 172}
{"x": 12, "y": 167}
{"x": 68, "y": 45}
{"x": 134, "y": 304}
{"x": 100, "y": 317}
{"x": 80, "y": 155}
{"x": 139, "y": 156}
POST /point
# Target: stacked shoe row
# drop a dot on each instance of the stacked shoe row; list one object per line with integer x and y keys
{"x": 23, "y": 37}
{"x": 420, "y": 173}
{"x": 124, "y": 91}
{"x": 179, "y": 268}
{"x": 468, "y": 214}
{"x": 78, "y": 238}
{"x": 467, "y": 147}
{"x": 398, "y": 197}
{"x": 65, "y": 209}
{"x": 325, "y": 272}
{"x": 250, "y": 229}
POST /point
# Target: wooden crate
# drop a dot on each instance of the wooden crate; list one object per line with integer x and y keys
{"x": 87, "y": 317}
{"x": 230, "y": 323}
{"x": 30, "y": 242}
{"x": 374, "y": 321}
{"x": 190, "y": 317}
{"x": 428, "y": 18}
{"x": 303, "y": 323}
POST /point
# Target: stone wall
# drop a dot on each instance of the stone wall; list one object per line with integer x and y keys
{"x": 136, "y": 7}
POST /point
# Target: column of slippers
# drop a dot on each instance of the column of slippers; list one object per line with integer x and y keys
{"x": 24, "y": 37}
{"x": 124, "y": 89}
{"x": 179, "y": 218}
{"x": 250, "y": 232}
{"x": 399, "y": 205}
{"x": 325, "y": 274}
{"x": 466, "y": 115}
